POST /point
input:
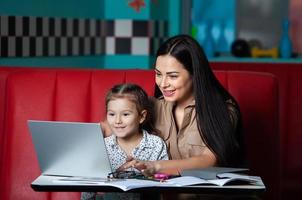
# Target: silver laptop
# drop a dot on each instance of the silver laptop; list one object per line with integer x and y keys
{"x": 70, "y": 148}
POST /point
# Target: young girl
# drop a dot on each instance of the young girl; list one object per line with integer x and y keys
{"x": 130, "y": 120}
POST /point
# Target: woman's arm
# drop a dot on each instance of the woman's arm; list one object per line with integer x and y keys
{"x": 105, "y": 128}
{"x": 207, "y": 159}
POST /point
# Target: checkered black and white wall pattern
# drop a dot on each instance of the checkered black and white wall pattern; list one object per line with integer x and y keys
{"x": 23, "y": 36}
{"x": 134, "y": 37}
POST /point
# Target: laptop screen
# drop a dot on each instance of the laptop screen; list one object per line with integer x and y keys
{"x": 70, "y": 148}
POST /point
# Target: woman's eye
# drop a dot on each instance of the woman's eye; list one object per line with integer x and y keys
{"x": 173, "y": 76}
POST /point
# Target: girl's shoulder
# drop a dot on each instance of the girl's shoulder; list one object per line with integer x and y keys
{"x": 153, "y": 138}
{"x": 110, "y": 140}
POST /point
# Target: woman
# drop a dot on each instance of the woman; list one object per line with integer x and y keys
{"x": 198, "y": 119}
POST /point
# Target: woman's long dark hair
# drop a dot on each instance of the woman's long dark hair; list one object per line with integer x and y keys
{"x": 212, "y": 113}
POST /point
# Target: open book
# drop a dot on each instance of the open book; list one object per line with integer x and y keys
{"x": 221, "y": 180}
{"x": 211, "y": 172}
{"x": 123, "y": 184}
{"x": 128, "y": 184}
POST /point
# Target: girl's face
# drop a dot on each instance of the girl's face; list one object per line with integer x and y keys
{"x": 123, "y": 118}
{"x": 173, "y": 80}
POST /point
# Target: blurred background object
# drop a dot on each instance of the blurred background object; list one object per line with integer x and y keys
{"x": 258, "y": 22}
{"x": 241, "y": 48}
{"x": 285, "y": 44}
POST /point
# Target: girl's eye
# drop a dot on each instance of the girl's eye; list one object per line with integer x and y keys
{"x": 126, "y": 114}
{"x": 110, "y": 114}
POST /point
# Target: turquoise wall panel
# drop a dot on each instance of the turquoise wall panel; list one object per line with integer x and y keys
{"x": 76, "y": 61}
{"x": 128, "y": 62}
{"x": 160, "y": 10}
{"x": 53, "y": 8}
{"x": 174, "y": 17}
{"x": 169, "y": 10}
{"x": 222, "y": 16}
{"x": 120, "y": 9}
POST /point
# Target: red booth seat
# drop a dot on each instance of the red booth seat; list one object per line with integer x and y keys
{"x": 4, "y": 73}
{"x": 289, "y": 76}
{"x": 78, "y": 95}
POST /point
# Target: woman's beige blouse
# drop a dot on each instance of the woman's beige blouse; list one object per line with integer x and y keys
{"x": 186, "y": 142}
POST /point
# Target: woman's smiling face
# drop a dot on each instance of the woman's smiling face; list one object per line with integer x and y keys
{"x": 173, "y": 80}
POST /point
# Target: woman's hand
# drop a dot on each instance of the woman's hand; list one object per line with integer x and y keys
{"x": 148, "y": 168}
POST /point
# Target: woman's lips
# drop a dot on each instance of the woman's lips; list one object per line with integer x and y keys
{"x": 168, "y": 93}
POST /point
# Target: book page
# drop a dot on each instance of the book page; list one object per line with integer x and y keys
{"x": 211, "y": 172}
{"x": 187, "y": 180}
{"x": 128, "y": 184}
{"x": 123, "y": 184}
{"x": 221, "y": 181}
{"x": 239, "y": 176}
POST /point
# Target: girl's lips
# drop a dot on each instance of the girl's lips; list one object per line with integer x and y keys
{"x": 168, "y": 93}
{"x": 119, "y": 127}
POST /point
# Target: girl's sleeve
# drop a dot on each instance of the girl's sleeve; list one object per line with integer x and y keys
{"x": 163, "y": 155}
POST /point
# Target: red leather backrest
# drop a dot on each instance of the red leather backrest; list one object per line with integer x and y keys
{"x": 290, "y": 121}
{"x": 78, "y": 95}
{"x": 5, "y": 71}
{"x": 257, "y": 95}
{"x": 3, "y": 77}
{"x": 68, "y": 95}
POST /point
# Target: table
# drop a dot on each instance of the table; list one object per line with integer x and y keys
{"x": 50, "y": 184}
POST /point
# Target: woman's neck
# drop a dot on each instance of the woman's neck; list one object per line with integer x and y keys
{"x": 181, "y": 104}
{"x": 179, "y": 111}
